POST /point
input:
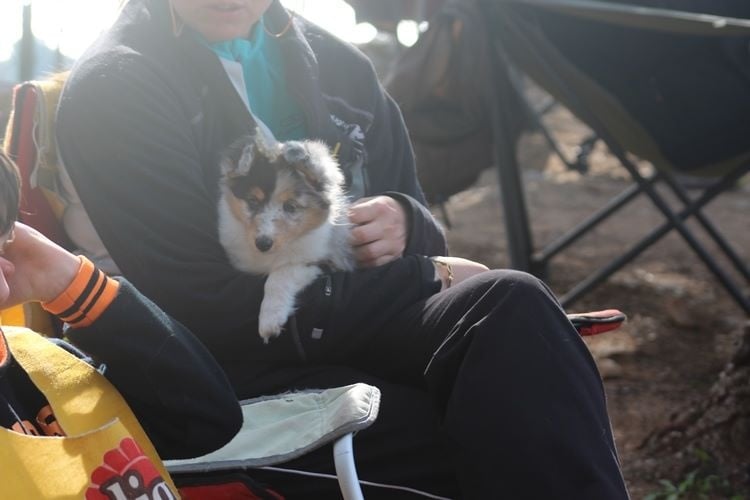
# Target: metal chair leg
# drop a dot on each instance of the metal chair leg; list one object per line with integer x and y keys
{"x": 346, "y": 470}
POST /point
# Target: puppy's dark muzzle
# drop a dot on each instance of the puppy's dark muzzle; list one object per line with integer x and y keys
{"x": 263, "y": 243}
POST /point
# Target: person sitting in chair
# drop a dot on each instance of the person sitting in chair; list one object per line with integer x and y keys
{"x": 170, "y": 398}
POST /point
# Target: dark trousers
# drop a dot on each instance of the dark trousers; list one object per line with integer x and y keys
{"x": 488, "y": 392}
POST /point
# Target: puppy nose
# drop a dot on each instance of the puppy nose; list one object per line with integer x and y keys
{"x": 264, "y": 243}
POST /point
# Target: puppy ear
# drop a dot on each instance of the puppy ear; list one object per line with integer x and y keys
{"x": 294, "y": 152}
{"x": 313, "y": 160}
{"x": 266, "y": 144}
{"x": 238, "y": 157}
{"x": 246, "y": 159}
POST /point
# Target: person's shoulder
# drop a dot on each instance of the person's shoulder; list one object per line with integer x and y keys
{"x": 324, "y": 43}
{"x": 129, "y": 50}
{"x": 344, "y": 69}
{"x": 104, "y": 77}
{"x": 111, "y": 71}
{"x": 334, "y": 53}
{"x": 97, "y": 66}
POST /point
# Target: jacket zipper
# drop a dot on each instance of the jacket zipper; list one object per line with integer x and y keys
{"x": 328, "y": 290}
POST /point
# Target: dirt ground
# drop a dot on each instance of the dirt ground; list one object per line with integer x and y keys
{"x": 682, "y": 326}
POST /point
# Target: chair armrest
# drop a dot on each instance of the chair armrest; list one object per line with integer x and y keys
{"x": 282, "y": 427}
{"x": 596, "y": 322}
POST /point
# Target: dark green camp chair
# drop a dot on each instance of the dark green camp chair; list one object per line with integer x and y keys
{"x": 671, "y": 87}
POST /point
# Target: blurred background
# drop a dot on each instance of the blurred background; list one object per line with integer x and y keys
{"x": 39, "y": 37}
{"x": 677, "y": 374}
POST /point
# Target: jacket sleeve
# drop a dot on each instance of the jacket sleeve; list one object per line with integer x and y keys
{"x": 174, "y": 386}
{"x": 144, "y": 182}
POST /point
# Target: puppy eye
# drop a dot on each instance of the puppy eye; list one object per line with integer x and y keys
{"x": 291, "y": 207}
{"x": 253, "y": 204}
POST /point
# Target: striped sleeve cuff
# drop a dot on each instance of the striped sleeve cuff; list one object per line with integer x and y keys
{"x": 86, "y": 298}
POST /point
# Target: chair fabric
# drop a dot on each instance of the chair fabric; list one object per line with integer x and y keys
{"x": 29, "y": 141}
{"x": 664, "y": 80}
{"x": 668, "y": 86}
{"x": 299, "y": 421}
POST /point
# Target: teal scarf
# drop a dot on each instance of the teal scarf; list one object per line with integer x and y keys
{"x": 265, "y": 81}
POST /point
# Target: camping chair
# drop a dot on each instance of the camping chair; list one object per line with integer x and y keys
{"x": 638, "y": 77}
{"x": 275, "y": 428}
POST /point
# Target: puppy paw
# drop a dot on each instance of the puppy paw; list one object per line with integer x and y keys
{"x": 271, "y": 322}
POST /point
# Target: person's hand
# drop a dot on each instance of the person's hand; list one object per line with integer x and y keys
{"x": 34, "y": 268}
{"x": 454, "y": 270}
{"x": 380, "y": 230}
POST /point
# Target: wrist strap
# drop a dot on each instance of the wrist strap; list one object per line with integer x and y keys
{"x": 86, "y": 298}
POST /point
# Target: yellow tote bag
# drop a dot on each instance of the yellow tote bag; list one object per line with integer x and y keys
{"x": 105, "y": 453}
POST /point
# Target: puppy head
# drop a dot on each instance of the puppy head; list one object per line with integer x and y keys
{"x": 279, "y": 191}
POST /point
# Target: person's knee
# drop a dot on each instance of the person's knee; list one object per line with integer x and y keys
{"x": 517, "y": 283}
{"x": 508, "y": 291}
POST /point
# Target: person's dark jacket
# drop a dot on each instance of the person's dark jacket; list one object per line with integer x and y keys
{"x": 142, "y": 120}
{"x": 179, "y": 393}
{"x": 175, "y": 388}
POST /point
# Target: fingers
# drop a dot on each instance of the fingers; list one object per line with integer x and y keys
{"x": 380, "y": 229}
{"x": 376, "y": 243}
{"x": 383, "y": 209}
{"x": 363, "y": 211}
{"x": 379, "y": 233}
{"x": 374, "y": 254}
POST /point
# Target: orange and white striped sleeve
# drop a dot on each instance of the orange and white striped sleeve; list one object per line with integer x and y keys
{"x": 86, "y": 298}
